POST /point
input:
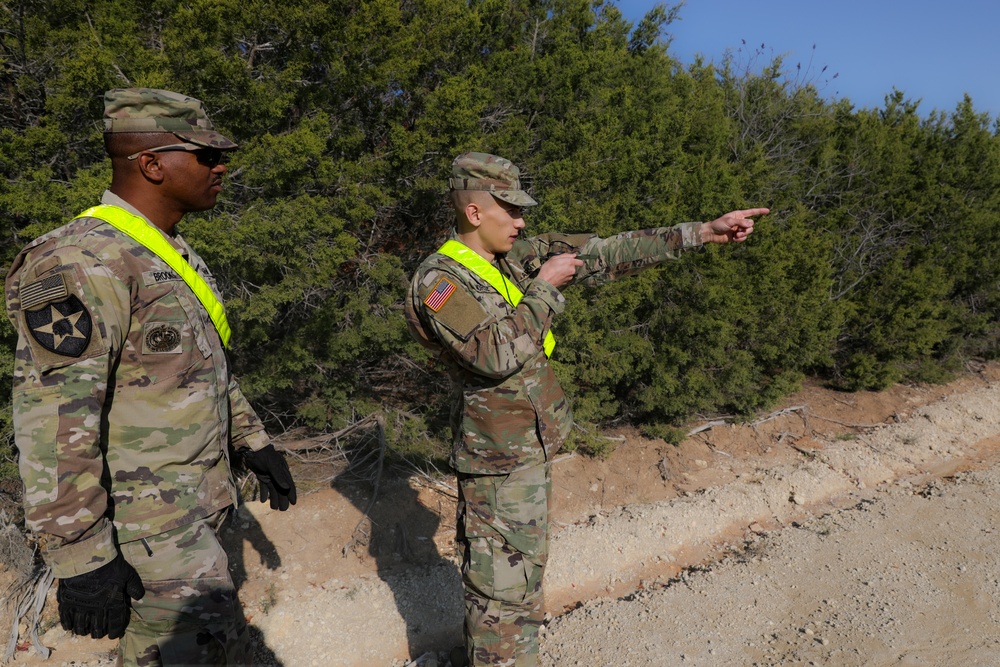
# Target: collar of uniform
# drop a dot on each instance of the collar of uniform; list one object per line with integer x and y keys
{"x": 112, "y": 199}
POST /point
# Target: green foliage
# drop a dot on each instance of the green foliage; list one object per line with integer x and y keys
{"x": 669, "y": 434}
{"x": 880, "y": 260}
{"x": 587, "y": 439}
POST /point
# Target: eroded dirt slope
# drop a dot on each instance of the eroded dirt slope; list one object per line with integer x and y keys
{"x": 631, "y": 522}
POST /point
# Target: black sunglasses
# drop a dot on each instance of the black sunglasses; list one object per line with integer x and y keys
{"x": 210, "y": 157}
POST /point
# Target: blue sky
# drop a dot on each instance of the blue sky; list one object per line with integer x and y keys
{"x": 932, "y": 51}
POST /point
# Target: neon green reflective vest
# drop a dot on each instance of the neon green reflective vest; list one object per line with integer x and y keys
{"x": 475, "y": 262}
{"x": 152, "y": 239}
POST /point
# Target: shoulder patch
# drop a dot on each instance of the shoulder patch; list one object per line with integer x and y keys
{"x": 63, "y": 327}
{"x": 459, "y": 310}
{"x": 47, "y": 289}
{"x": 439, "y": 296}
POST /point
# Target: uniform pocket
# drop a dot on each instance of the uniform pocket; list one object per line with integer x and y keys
{"x": 165, "y": 340}
{"x": 36, "y": 429}
{"x": 505, "y": 526}
{"x": 500, "y": 418}
{"x": 200, "y": 323}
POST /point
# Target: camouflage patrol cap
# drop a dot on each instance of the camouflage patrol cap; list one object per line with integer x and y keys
{"x": 494, "y": 174}
{"x": 152, "y": 110}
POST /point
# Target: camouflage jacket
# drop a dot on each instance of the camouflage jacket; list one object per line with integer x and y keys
{"x": 508, "y": 410}
{"x": 122, "y": 396}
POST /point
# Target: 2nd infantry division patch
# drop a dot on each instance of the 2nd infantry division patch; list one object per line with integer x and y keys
{"x": 63, "y": 327}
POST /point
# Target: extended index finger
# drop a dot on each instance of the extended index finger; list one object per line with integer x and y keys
{"x": 750, "y": 212}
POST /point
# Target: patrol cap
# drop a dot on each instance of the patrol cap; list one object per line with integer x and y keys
{"x": 152, "y": 110}
{"x": 494, "y": 174}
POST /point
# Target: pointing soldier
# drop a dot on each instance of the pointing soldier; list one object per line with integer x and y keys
{"x": 484, "y": 304}
{"x": 124, "y": 404}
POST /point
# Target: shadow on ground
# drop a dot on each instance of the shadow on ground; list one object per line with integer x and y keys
{"x": 398, "y": 535}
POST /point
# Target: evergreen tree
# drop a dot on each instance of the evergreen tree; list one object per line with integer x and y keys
{"x": 878, "y": 263}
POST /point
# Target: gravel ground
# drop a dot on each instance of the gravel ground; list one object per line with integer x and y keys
{"x": 848, "y": 547}
{"x": 907, "y": 577}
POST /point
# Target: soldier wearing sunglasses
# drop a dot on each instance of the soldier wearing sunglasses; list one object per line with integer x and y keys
{"x": 124, "y": 405}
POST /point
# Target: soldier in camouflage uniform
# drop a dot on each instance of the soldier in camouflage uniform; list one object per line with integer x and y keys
{"x": 124, "y": 405}
{"x": 484, "y": 305}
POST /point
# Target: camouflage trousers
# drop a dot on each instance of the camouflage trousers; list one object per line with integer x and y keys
{"x": 190, "y": 614}
{"x": 503, "y": 536}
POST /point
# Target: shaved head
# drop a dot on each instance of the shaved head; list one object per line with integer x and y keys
{"x": 119, "y": 145}
{"x": 459, "y": 199}
{"x": 125, "y": 173}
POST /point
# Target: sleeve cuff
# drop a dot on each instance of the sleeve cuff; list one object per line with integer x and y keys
{"x": 256, "y": 441}
{"x": 548, "y": 294}
{"x": 83, "y": 556}
{"x": 691, "y": 235}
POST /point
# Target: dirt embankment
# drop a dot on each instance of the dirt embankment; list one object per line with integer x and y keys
{"x": 633, "y": 522}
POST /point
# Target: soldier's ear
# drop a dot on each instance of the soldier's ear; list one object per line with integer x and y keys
{"x": 150, "y": 166}
{"x": 473, "y": 213}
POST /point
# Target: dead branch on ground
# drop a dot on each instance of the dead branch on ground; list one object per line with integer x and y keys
{"x": 803, "y": 410}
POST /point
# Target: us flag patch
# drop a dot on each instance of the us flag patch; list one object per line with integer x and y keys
{"x": 440, "y": 294}
{"x": 46, "y": 289}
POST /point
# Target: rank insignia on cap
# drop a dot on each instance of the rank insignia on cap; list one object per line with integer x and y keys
{"x": 440, "y": 294}
{"x": 63, "y": 327}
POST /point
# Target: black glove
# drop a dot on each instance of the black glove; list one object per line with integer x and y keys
{"x": 97, "y": 603}
{"x": 275, "y": 478}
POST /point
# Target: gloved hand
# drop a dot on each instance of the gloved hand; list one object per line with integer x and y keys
{"x": 275, "y": 478}
{"x": 97, "y": 603}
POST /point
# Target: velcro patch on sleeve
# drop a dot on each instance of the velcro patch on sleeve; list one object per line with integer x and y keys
{"x": 56, "y": 321}
{"x": 439, "y": 296}
{"x": 61, "y": 327}
{"x": 458, "y": 310}
{"x": 50, "y": 288}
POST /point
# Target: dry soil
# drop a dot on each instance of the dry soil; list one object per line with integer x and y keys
{"x": 843, "y": 529}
